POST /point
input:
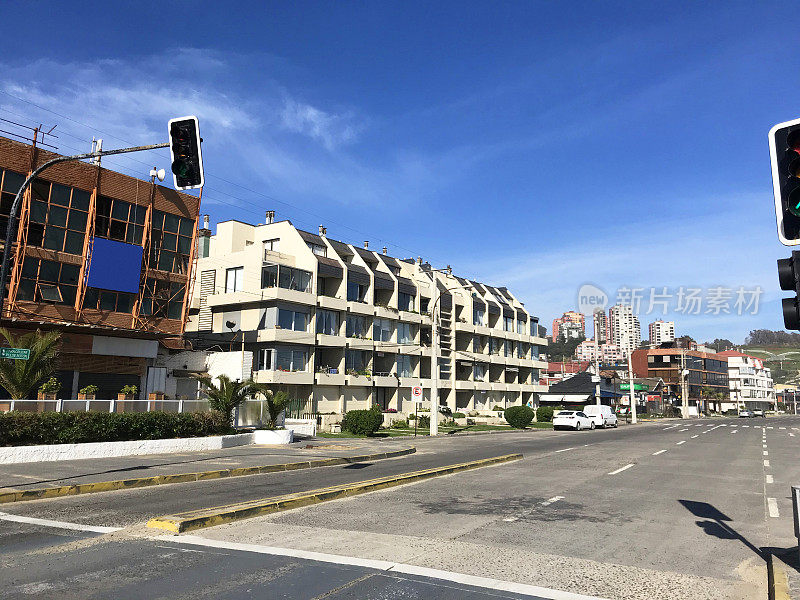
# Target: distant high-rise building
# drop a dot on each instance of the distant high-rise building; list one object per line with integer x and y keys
{"x": 601, "y": 325}
{"x": 569, "y": 325}
{"x": 662, "y": 332}
{"x": 625, "y": 332}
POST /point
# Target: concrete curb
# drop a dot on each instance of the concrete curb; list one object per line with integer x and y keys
{"x": 209, "y": 517}
{"x": 777, "y": 580}
{"x": 122, "y": 484}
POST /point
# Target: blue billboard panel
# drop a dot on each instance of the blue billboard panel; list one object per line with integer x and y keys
{"x": 115, "y": 266}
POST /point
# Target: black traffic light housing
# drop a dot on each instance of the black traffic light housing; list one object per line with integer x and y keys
{"x": 784, "y": 151}
{"x": 789, "y": 279}
{"x": 184, "y": 148}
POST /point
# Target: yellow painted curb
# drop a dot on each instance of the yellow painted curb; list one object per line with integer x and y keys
{"x": 12, "y": 495}
{"x": 777, "y": 580}
{"x": 208, "y": 517}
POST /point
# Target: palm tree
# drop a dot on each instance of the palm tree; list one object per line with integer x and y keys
{"x": 228, "y": 394}
{"x": 276, "y": 404}
{"x": 19, "y": 377}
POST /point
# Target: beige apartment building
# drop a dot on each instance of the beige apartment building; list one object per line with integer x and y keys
{"x": 344, "y": 327}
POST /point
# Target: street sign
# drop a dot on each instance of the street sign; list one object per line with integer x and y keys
{"x": 637, "y": 387}
{"x": 416, "y": 393}
{"x": 15, "y": 353}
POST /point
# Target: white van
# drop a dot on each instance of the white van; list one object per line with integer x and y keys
{"x": 602, "y": 415}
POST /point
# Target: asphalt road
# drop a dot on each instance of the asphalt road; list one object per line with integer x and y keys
{"x": 661, "y": 510}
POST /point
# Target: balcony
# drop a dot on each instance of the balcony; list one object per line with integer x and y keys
{"x": 335, "y": 341}
{"x": 331, "y": 303}
{"x": 328, "y": 378}
{"x": 464, "y": 384}
{"x": 464, "y": 327}
{"x": 357, "y": 343}
{"x": 482, "y": 330}
{"x": 410, "y": 317}
{"x": 285, "y": 335}
{"x": 384, "y": 312}
{"x": 231, "y": 298}
{"x": 539, "y": 341}
{"x": 384, "y": 380}
{"x": 295, "y": 296}
{"x": 360, "y": 308}
{"x": 499, "y": 386}
{"x": 285, "y": 377}
{"x": 355, "y": 379}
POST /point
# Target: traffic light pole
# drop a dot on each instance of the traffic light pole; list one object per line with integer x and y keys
{"x": 18, "y": 200}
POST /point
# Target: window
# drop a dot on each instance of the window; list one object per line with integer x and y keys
{"x": 318, "y": 250}
{"x": 508, "y": 348}
{"x": 495, "y": 346}
{"x": 58, "y": 216}
{"x": 356, "y": 326}
{"x": 327, "y": 322}
{"x": 162, "y": 299}
{"x": 404, "y": 366}
{"x": 109, "y": 300}
{"x": 48, "y": 281}
{"x": 265, "y": 359}
{"x": 405, "y": 301}
{"x": 290, "y": 360}
{"x": 508, "y": 324}
{"x": 292, "y": 319}
{"x": 269, "y": 276}
{"x": 119, "y": 220}
{"x": 355, "y": 360}
{"x": 234, "y": 278}
{"x": 271, "y": 246}
{"x": 520, "y": 326}
{"x": 171, "y": 240}
{"x": 479, "y": 372}
{"x": 10, "y": 182}
{"x": 478, "y": 315}
{"x": 382, "y": 330}
{"x": 356, "y": 292}
{"x": 294, "y": 279}
{"x": 404, "y": 334}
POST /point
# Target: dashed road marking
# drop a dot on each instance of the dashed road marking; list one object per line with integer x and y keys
{"x": 770, "y": 428}
{"x": 551, "y": 500}
{"x": 542, "y": 504}
{"x": 766, "y": 463}
{"x": 763, "y": 445}
{"x": 766, "y": 453}
{"x": 565, "y": 449}
{"x": 682, "y": 430}
{"x": 791, "y": 435}
{"x": 621, "y": 469}
{"x": 681, "y": 442}
{"x": 745, "y": 425}
{"x": 735, "y": 431}
{"x": 769, "y": 478}
{"x": 659, "y": 452}
{"x": 781, "y": 427}
{"x": 772, "y": 505}
{"x": 694, "y": 436}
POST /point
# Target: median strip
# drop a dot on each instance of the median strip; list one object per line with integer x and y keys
{"x": 208, "y": 517}
{"x": 12, "y": 495}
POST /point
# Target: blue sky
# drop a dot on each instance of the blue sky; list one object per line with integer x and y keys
{"x": 535, "y": 145}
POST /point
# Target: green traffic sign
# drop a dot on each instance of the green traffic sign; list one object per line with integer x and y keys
{"x": 15, "y": 353}
{"x": 637, "y": 387}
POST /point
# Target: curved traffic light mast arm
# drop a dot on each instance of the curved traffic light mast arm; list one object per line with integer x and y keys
{"x": 36, "y": 172}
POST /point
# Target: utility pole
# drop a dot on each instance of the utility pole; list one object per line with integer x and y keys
{"x": 596, "y": 359}
{"x": 434, "y": 427}
{"x": 684, "y": 387}
{"x": 631, "y": 391}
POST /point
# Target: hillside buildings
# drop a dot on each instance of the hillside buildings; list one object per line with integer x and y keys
{"x": 570, "y": 325}
{"x": 662, "y": 332}
{"x": 624, "y": 329}
{"x": 343, "y": 327}
{"x": 750, "y": 382}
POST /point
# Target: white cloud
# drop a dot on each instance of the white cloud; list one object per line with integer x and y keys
{"x": 332, "y": 130}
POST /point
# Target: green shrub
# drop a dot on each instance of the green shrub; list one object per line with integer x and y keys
{"x": 129, "y": 390}
{"x": 459, "y": 415}
{"x": 519, "y": 417}
{"x": 400, "y": 424}
{"x": 424, "y": 421}
{"x": 544, "y": 414}
{"x": 23, "y": 428}
{"x": 363, "y": 422}
{"x": 89, "y": 389}
{"x": 51, "y": 386}
{"x": 498, "y": 407}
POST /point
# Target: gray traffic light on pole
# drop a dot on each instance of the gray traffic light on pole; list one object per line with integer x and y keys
{"x": 789, "y": 279}
{"x": 784, "y": 152}
{"x": 184, "y": 149}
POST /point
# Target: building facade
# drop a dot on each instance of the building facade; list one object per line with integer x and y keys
{"x": 625, "y": 332}
{"x": 707, "y": 380}
{"x": 662, "y": 332}
{"x": 343, "y": 327}
{"x": 600, "y": 325}
{"x": 101, "y": 256}
{"x": 570, "y": 325}
{"x": 750, "y": 382}
{"x": 608, "y": 353}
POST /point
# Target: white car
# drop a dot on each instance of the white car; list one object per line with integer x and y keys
{"x": 571, "y": 419}
{"x": 601, "y": 414}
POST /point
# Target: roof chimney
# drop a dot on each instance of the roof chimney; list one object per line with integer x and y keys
{"x": 270, "y": 217}
{"x": 366, "y": 244}
{"x": 322, "y": 231}
{"x": 385, "y": 250}
{"x": 205, "y": 221}
{"x": 419, "y": 260}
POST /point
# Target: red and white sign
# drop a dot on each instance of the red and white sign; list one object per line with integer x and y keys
{"x": 416, "y": 392}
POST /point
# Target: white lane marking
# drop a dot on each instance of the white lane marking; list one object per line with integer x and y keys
{"x": 766, "y": 463}
{"x": 769, "y": 478}
{"x": 763, "y": 445}
{"x": 770, "y": 428}
{"x": 58, "y": 524}
{"x": 715, "y": 427}
{"x": 474, "y": 580}
{"x": 620, "y": 470}
{"x": 532, "y": 509}
{"x": 670, "y": 427}
{"x": 766, "y": 453}
{"x": 745, "y": 425}
{"x": 681, "y": 442}
{"x": 795, "y": 428}
{"x": 791, "y": 435}
{"x": 659, "y": 452}
{"x": 735, "y": 431}
{"x": 564, "y": 449}
{"x": 772, "y": 505}
{"x": 682, "y": 430}
{"x": 694, "y": 436}
{"x": 698, "y": 425}
{"x": 781, "y": 427}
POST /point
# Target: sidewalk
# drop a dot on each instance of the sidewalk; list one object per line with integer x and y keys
{"x": 213, "y": 463}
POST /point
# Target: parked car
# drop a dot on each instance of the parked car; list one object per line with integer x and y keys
{"x": 571, "y": 419}
{"x": 757, "y": 412}
{"x": 745, "y": 414}
{"x": 602, "y": 415}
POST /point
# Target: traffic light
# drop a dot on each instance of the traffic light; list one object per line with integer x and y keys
{"x": 184, "y": 148}
{"x": 784, "y": 152}
{"x": 789, "y": 279}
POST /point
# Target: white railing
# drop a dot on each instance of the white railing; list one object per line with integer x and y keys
{"x": 174, "y": 406}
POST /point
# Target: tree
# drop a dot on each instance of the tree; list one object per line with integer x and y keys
{"x": 561, "y": 349}
{"x": 276, "y": 404}
{"x": 720, "y": 344}
{"x": 227, "y": 394}
{"x": 19, "y": 377}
